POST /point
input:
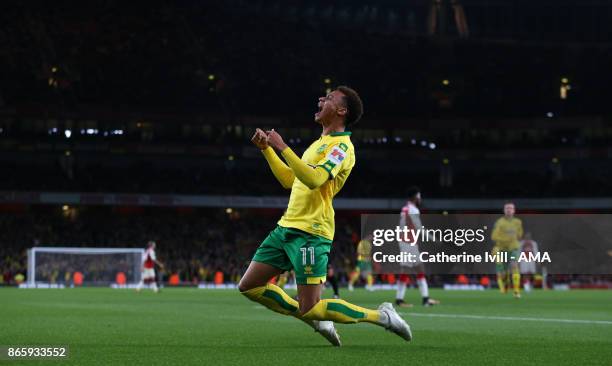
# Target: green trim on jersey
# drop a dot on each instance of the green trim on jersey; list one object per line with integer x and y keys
{"x": 345, "y": 133}
{"x": 328, "y": 166}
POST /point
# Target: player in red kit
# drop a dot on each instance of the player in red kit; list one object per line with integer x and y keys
{"x": 410, "y": 217}
{"x": 528, "y": 269}
{"x": 149, "y": 260}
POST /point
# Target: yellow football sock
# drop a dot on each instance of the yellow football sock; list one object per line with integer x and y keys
{"x": 274, "y": 298}
{"x": 516, "y": 281}
{"x": 370, "y": 280}
{"x": 340, "y": 311}
{"x": 501, "y": 283}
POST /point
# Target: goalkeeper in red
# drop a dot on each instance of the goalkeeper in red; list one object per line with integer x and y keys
{"x": 302, "y": 240}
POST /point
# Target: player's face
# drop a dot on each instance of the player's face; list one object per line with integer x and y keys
{"x": 330, "y": 106}
{"x": 509, "y": 209}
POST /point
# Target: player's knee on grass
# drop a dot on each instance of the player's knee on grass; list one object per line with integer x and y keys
{"x": 242, "y": 287}
{"x": 247, "y": 284}
{"x": 257, "y": 275}
{"x": 246, "y": 292}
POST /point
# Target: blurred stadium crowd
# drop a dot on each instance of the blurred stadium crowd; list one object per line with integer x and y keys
{"x": 193, "y": 244}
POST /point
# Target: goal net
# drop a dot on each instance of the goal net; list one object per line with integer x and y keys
{"x": 84, "y": 266}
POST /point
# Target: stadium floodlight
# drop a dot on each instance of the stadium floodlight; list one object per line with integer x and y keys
{"x": 95, "y": 266}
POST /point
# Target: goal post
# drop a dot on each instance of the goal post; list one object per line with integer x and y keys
{"x": 92, "y": 266}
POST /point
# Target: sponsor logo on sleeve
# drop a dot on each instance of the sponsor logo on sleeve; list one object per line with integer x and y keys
{"x": 336, "y": 155}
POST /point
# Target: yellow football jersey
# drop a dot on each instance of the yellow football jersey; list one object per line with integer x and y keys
{"x": 364, "y": 249}
{"x": 507, "y": 233}
{"x": 311, "y": 210}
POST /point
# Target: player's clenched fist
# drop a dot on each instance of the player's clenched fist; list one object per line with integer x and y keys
{"x": 276, "y": 141}
{"x": 260, "y": 139}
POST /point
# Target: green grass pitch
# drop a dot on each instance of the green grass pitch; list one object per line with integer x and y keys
{"x": 217, "y": 327}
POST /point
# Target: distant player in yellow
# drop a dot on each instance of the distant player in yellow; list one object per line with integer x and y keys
{"x": 364, "y": 264}
{"x": 507, "y": 233}
{"x": 283, "y": 278}
{"x": 302, "y": 240}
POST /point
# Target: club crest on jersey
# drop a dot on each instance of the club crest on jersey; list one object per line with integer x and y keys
{"x": 336, "y": 155}
{"x": 321, "y": 149}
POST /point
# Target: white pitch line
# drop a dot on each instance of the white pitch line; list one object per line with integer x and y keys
{"x": 484, "y": 317}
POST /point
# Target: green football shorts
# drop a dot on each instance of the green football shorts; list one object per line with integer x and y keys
{"x": 287, "y": 248}
{"x": 364, "y": 266}
{"x": 511, "y": 254}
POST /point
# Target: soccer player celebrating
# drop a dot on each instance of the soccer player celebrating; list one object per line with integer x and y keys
{"x": 410, "y": 217}
{"x": 302, "y": 240}
{"x": 506, "y": 234}
{"x": 364, "y": 264}
{"x": 149, "y": 259}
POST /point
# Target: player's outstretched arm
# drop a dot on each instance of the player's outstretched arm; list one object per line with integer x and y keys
{"x": 281, "y": 171}
{"x": 312, "y": 177}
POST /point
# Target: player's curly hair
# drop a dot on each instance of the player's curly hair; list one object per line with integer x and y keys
{"x": 354, "y": 105}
